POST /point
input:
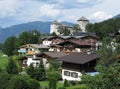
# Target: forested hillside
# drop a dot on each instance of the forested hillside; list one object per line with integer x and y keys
{"x": 103, "y": 28}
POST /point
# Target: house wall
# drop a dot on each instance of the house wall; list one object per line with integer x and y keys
{"x": 46, "y": 63}
{"x": 46, "y": 42}
{"x": 71, "y": 66}
{"x": 87, "y": 67}
{"x": 57, "y": 40}
{"x": 54, "y": 50}
{"x": 74, "y": 48}
{"x": 31, "y": 60}
{"x": 28, "y": 61}
{"x": 25, "y": 50}
{"x": 71, "y": 75}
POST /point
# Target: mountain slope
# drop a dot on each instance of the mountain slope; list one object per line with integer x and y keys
{"x": 117, "y": 16}
{"x": 42, "y": 27}
{"x": 0, "y": 27}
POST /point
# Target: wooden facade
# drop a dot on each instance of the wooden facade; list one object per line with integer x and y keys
{"x": 87, "y": 67}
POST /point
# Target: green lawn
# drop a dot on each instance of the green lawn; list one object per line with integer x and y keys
{"x": 45, "y": 84}
{"x": 78, "y": 86}
{"x": 3, "y": 60}
{"x": 59, "y": 84}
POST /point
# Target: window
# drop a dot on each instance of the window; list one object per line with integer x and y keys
{"x": 27, "y": 49}
{"x": 37, "y": 64}
{"x": 25, "y": 62}
{"x": 74, "y": 74}
{"x": 67, "y": 73}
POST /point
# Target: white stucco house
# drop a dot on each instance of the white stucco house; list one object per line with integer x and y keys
{"x": 33, "y": 59}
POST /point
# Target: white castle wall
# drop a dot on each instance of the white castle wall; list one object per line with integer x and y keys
{"x": 82, "y": 25}
{"x": 54, "y": 28}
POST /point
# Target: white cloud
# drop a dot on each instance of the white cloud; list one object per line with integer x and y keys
{"x": 8, "y": 8}
{"x": 68, "y": 18}
{"x": 38, "y": 12}
{"x": 49, "y": 10}
{"x": 99, "y": 16}
{"x": 28, "y": 10}
{"x": 21, "y": 11}
{"x": 83, "y": 1}
{"x": 61, "y": 1}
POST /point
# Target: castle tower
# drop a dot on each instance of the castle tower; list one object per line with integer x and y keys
{"x": 54, "y": 27}
{"x": 82, "y": 23}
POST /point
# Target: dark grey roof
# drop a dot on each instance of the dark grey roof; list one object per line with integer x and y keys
{"x": 54, "y": 54}
{"x": 111, "y": 34}
{"x": 79, "y": 33}
{"x": 78, "y": 58}
{"x": 83, "y": 19}
{"x": 114, "y": 33}
{"x": 76, "y": 35}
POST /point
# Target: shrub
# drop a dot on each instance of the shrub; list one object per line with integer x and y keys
{"x": 73, "y": 82}
{"x": 4, "y": 78}
{"x": 66, "y": 83}
{"x": 33, "y": 84}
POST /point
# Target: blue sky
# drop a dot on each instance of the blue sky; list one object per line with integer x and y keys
{"x": 21, "y": 11}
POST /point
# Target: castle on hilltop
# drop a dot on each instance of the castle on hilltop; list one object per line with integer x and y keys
{"x": 82, "y": 22}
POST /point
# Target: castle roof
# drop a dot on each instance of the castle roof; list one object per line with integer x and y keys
{"x": 83, "y": 19}
{"x": 56, "y": 22}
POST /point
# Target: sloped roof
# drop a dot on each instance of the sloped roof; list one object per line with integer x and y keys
{"x": 34, "y": 46}
{"x": 77, "y": 42}
{"x": 54, "y": 54}
{"x": 39, "y": 46}
{"x": 78, "y": 58}
{"x": 79, "y": 33}
{"x": 83, "y": 19}
{"x": 76, "y": 35}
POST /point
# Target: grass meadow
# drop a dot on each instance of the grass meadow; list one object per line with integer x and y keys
{"x": 3, "y": 61}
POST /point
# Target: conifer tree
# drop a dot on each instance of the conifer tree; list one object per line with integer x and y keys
{"x": 11, "y": 67}
{"x": 30, "y": 70}
{"x": 39, "y": 72}
{"x": 42, "y": 70}
{"x": 52, "y": 83}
